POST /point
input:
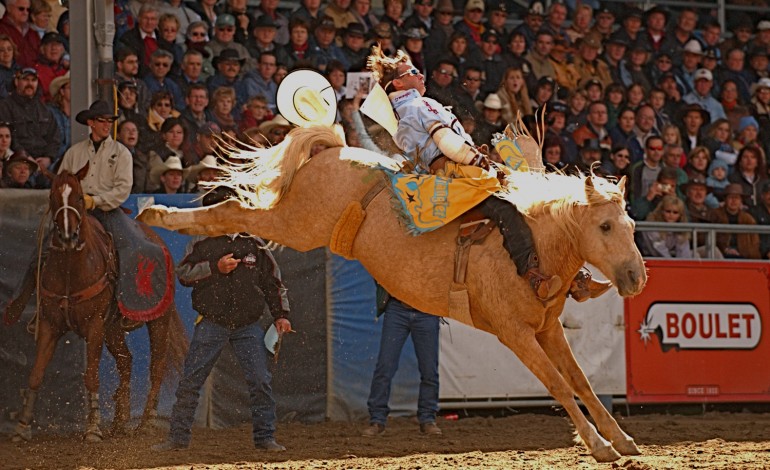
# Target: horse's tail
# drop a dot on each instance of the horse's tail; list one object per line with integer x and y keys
{"x": 178, "y": 342}
{"x": 263, "y": 175}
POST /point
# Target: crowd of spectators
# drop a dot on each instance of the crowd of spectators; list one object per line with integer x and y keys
{"x": 670, "y": 98}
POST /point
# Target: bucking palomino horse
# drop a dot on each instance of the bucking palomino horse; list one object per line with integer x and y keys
{"x": 77, "y": 285}
{"x": 306, "y": 203}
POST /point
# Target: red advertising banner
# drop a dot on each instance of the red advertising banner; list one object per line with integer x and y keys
{"x": 699, "y": 332}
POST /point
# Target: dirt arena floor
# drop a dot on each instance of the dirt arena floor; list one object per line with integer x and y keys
{"x": 714, "y": 440}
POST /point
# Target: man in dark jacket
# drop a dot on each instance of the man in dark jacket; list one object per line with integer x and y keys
{"x": 145, "y": 38}
{"x": 34, "y": 126}
{"x": 232, "y": 278}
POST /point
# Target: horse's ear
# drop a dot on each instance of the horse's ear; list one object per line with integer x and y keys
{"x": 622, "y": 186}
{"x": 47, "y": 173}
{"x": 82, "y": 172}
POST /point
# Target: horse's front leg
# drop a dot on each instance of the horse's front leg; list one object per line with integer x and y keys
{"x": 46, "y": 345}
{"x": 220, "y": 219}
{"x": 94, "y": 344}
{"x": 116, "y": 345}
{"x": 555, "y": 345}
{"x": 522, "y": 342}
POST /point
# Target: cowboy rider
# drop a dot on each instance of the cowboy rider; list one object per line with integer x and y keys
{"x": 106, "y": 186}
{"x": 429, "y": 134}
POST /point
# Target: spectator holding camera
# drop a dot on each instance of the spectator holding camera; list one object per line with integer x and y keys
{"x": 664, "y": 185}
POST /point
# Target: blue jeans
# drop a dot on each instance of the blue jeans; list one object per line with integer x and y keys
{"x": 400, "y": 321}
{"x": 205, "y": 348}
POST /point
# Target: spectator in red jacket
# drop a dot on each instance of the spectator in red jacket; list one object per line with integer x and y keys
{"x": 50, "y": 64}
{"x": 15, "y": 25}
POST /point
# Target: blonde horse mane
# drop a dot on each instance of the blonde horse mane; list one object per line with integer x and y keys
{"x": 558, "y": 194}
{"x": 261, "y": 176}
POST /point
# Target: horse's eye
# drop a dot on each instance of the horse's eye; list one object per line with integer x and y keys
{"x": 606, "y": 227}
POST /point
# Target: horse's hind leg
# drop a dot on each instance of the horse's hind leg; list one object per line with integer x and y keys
{"x": 159, "y": 344}
{"x": 94, "y": 344}
{"x": 523, "y": 343}
{"x": 46, "y": 345}
{"x": 116, "y": 345}
{"x": 558, "y": 350}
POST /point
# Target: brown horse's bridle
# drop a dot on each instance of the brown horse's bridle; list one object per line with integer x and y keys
{"x": 67, "y": 300}
{"x": 64, "y": 208}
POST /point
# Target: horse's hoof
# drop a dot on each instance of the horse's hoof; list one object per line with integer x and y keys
{"x": 93, "y": 437}
{"x": 626, "y": 447}
{"x": 605, "y": 454}
{"x": 22, "y": 433}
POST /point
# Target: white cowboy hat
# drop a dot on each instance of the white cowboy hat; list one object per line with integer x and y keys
{"x": 306, "y": 98}
{"x": 57, "y": 83}
{"x": 277, "y": 121}
{"x": 172, "y": 163}
{"x": 208, "y": 162}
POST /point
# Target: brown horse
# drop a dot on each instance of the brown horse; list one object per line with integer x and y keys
{"x": 306, "y": 203}
{"x": 77, "y": 284}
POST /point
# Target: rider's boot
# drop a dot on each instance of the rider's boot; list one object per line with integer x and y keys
{"x": 584, "y": 287}
{"x": 518, "y": 241}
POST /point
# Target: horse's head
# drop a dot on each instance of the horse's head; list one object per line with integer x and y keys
{"x": 68, "y": 207}
{"x": 607, "y": 236}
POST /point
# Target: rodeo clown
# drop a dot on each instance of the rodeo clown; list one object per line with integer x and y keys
{"x": 431, "y": 136}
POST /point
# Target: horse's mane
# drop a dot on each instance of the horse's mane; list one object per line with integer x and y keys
{"x": 261, "y": 176}
{"x": 557, "y": 194}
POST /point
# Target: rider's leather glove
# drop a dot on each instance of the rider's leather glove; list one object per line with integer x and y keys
{"x": 89, "y": 200}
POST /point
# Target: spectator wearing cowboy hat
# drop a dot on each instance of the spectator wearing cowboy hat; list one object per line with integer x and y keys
{"x": 17, "y": 171}
{"x": 566, "y": 74}
{"x": 732, "y": 245}
{"x": 497, "y": 16}
{"x": 262, "y": 37}
{"x": 275, "y": 130}
{"x": 228, "y": 65}
{"x": 413, "y": 46}
{"x": 270, "y": 8}
{"x": 353, "y": 46}
{"x": 324, "y": 50}
{"x": 587, "y": 61}
{"x": 604, "y": 22}
{"x": 383, "y": 35}
{"x": 491, "y": 122}
{"x": 206, "y": 171}
{"x": 168, "y": 175}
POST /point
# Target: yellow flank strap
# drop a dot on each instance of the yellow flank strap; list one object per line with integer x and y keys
{"x": 346, "y": 229}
